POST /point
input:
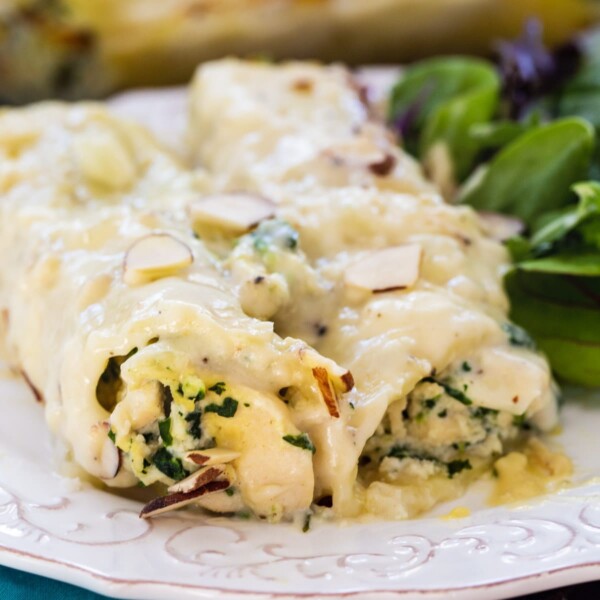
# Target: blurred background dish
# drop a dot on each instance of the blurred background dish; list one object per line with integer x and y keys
{"x": 80, "y": 49}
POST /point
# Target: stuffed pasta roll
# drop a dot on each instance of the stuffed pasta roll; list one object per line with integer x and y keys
{"x": 385, "y": 278}
{"x": 128, "y": 329}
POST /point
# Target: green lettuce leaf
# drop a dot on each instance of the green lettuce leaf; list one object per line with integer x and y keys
{"x": 439, "y": 101}
{"x": 562, "y": 312}
{"x": 534, "y": 174}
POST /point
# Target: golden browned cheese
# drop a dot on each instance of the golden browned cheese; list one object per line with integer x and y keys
{"x": 78, "y": 48}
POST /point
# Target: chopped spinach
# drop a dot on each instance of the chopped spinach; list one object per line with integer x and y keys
{"x": 164, "y": 427}
{"x": 194, "y": 419}
{"x": 274, "y": 235}
{"x": 149, "y": 437}
{"x": 192, "y": 388}
{"x": 517, "y": 336}
{"x": 481, "y": 412}
{"x": 300, "y": 441}
{"x": 456, "y": 466}
{"x": 430, "y": 402}
{"x": 306, "y": 525}
{"x": 166, "y": 398}
{"x": 227, "y": 409}
{"x": 519, "y": 420}
{"x": 168, "y": 464}
{"x": 450, "y": 391}
{"x": 218, "y": 388}
{"x": 402, "y": 452}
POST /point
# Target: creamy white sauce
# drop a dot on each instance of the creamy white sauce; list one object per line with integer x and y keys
{"x": 78, "y": 188}
{"x": 301, "y": 136}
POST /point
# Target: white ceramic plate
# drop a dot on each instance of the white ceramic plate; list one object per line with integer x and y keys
{"x": 57, "y": 527}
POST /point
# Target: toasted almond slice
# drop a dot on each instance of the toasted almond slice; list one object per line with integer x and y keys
{"x": 384, "y": 166}
{"x": 327, "y": 390}
{"x": 359, "y": 151}
{"x": 34, "y": 390}
{"x": 385, "y": 270}
{"x": 501, "y": 227}
{"x": 155, "y": 256}
{"x": 212, "y": 456}
{"x": 177, "y": 500}
{"x": 234, "y": 211}
{"x": 341, "y": 379}
{"x": 348, "y": 381}
{"x": 198, "y": 479}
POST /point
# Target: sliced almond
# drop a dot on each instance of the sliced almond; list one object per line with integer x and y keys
{"x": 198, "y": 479}
{"x": 108, "y": 455}
{"x": 360, "y": 151}
{"x": 212, "y": 456}
{"x": 34, "y": 390}
{"x": 178, "y": 499}
{"x": 395, "y": 268}
{"x": 383, "y": 167}
{"x": 155, "y": 256}
{"x": 233, "y": 211}
{"x": 348, "y": 381}
{"x": 327, "y": 390}
{"x": 340, "y": 378}
{"x": 501, "y": 227}
{"x": 104, "y": 159}
{"x": 110, "y": 460}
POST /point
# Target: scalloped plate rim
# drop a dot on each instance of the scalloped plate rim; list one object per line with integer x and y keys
{"x": 64, "y": 533}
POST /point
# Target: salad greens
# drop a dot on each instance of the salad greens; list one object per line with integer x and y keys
{"x": 522, "y": 138}
{"x": 440, "y": 100}
{"x": 540, "y": 165}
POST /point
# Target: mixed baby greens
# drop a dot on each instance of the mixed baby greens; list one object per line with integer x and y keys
{"x": 521, "y": 139}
